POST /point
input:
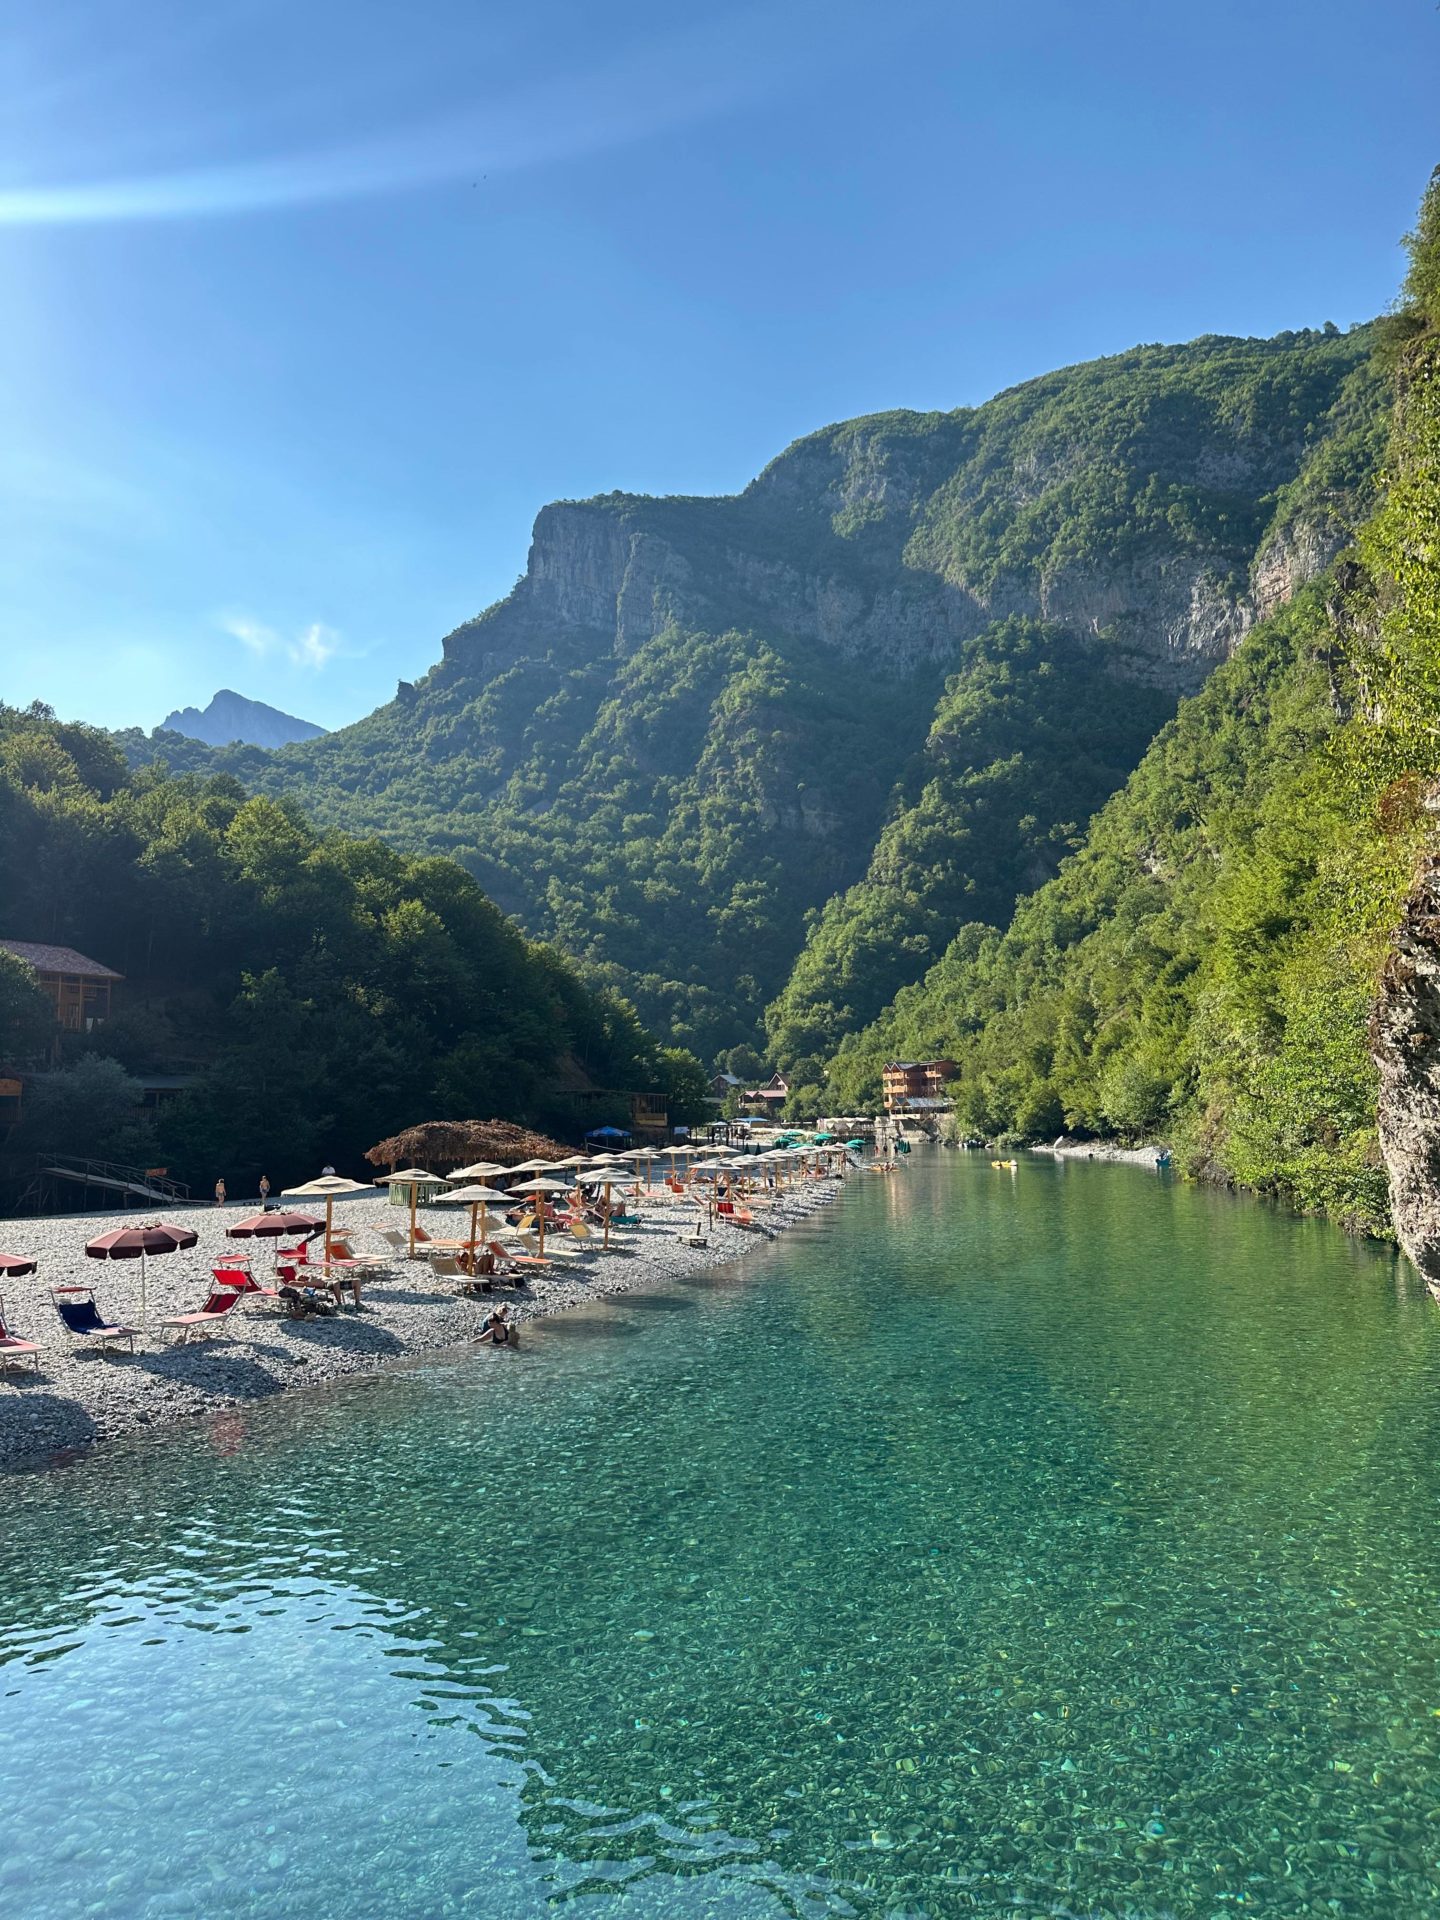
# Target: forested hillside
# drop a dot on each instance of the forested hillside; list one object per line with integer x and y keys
{"x": 324, "y": 990}
{"x": 778, "y": 748}
{"x": 1205, "y": 967}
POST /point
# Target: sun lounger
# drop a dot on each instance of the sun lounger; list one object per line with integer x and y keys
{"x": 243, "y": 1282}
{"x": 514, "y": 1259}
{"x": 76, "y": 1307}
{"x": 13, "y": 1350}
{"x": 221, "y": 1302}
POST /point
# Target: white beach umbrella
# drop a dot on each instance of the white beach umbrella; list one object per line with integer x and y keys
{"x": 414, "y": 1178}
{"x": 328, "y": 1187}
{"x": 608, "y": 1174}
{"x": 482, "y": 1170}
{"x": 541, "y": 1187}
{"x": 478, "y": 1200}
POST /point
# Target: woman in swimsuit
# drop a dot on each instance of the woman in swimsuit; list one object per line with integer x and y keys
{"x": 497, "y": 1330}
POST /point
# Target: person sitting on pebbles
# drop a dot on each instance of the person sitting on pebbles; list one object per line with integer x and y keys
{"x": 499, "y": 1329}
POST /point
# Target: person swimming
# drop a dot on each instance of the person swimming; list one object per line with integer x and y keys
{"x": 499, "y": 1329}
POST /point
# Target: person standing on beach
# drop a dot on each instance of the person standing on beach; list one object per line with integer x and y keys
{"x": 264, "y": 1191}
{"x": 219, "y": 1193}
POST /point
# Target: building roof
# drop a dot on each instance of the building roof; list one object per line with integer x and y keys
{"x": 47, "y": 959}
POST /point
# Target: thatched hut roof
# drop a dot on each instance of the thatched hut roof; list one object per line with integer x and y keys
{"x": 455, "y": 1143}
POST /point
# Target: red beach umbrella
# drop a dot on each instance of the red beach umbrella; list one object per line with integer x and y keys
{"x": 273, "y": 1226}
{"x": 138, "y": 1243}
{"x": 12, "y": 1263}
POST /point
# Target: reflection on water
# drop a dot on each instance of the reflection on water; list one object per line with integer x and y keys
{"x": 1085, "y": 1561}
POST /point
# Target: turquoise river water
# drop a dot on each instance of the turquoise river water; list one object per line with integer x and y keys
{"x": 1062, "y": 1542}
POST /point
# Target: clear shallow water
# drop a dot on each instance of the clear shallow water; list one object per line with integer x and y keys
{"x": 1095, "y": 1573}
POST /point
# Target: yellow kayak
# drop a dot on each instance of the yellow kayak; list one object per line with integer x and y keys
{"x": 1005, "y": 1166}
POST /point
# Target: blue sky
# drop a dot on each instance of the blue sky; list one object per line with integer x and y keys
{"x": 309, "y": 305}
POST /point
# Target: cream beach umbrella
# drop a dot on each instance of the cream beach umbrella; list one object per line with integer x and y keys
{"x": 478, "y": 1200}
{"x": 540, "y": 1188}
{"x": 607, "y": 1171}
{"x": 482, "y": 1170}
{"x": 647, "y": 1154}
{"x": 329, "y": 1187}
{"x": 414, "y": 1178}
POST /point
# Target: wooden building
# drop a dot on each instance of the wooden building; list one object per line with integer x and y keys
{"x": 916, "y": 1086}
{"x": 79, "y": 988}
{"x": 769, "y": 1098}
{"x": 649, "y": 1112}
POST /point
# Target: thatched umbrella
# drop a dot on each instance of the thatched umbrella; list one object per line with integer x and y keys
{"x": 325, "y": 1188}
{"x": 540, "y": 1188}
{"x": 478, "y": 1200}
{"x": 450, "y": 1143}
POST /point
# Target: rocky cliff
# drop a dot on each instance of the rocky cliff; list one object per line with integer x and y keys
{"x": 675, "y": 746}
{"x": 1405, "y": 1045}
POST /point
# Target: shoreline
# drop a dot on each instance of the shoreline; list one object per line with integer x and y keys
{"x": 1065, "y": 1149}
{"x": 82, "y": 1397}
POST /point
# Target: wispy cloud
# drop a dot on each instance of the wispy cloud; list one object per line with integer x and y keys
{"x": 670, "y": 81}
{"x": 314, "y": 646}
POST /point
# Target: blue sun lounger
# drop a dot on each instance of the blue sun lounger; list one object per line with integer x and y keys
{"x": 76, "y": 1307}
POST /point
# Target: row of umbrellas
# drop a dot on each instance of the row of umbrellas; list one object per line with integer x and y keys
{"x": 157, "y": 1238}
{"x": 607, "y": 1169}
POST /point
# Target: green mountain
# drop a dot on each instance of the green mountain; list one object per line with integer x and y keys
{"x": 318, "y": 992}
{"x": 1205, "y": 966}
{"x": 773, "y": 751}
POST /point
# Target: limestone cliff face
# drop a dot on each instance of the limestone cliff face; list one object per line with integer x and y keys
{"x": 603, "y": 573}
{"x": 1291, "y": 559}
{"x": 1405, "y": 1044}
{"x": 897, "y": 538}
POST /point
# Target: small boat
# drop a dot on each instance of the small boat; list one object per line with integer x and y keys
{"x": 1005, "y": 1166}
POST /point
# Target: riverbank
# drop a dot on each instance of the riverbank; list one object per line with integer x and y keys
{"x": 81, "y": 1396}
{"x": 1065, "y": 1149}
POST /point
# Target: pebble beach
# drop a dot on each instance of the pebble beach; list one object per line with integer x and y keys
{"x": 82, "y": 1395}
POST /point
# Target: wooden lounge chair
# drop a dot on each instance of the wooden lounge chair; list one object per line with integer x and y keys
{"x": 13, "y": 1350}
{"x": 76, "y": 1307}
{"x": 222, "y": 1301}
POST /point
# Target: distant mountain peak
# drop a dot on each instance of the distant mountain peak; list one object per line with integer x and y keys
{"x": 231, "y": 716}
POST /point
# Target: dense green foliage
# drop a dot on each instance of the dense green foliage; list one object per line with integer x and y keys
{"x": 1030, "y": 735}
{"x": 325, "y": 990}
{"x": 705, "y": 740}
{"x": 1202, "y": 969}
